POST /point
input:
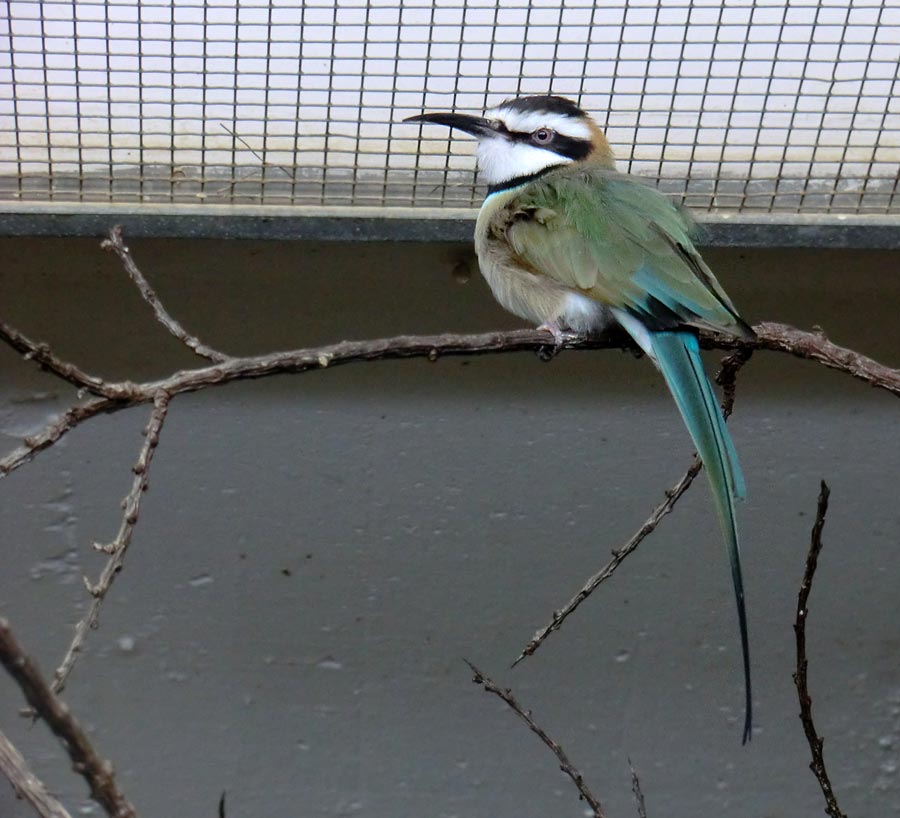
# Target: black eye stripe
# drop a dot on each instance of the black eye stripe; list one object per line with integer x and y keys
{"x": 568, "y": 146}
{"x": 571, "y": 147}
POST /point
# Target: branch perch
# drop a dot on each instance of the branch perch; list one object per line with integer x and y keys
{"x": 85, "y": 760}
{"x": 123, "y": 395}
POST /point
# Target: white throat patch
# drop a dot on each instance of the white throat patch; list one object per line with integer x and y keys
{"x": 500, "y": 160}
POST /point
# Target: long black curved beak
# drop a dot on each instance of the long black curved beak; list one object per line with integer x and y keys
{"x": 475, "y": 125}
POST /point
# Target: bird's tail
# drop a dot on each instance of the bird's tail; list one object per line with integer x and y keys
{"x": 678, "y": 356}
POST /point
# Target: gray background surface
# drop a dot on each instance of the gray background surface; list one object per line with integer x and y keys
{"x": 427, "y": 512}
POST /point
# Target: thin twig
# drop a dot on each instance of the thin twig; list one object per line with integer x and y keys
{"x": 565, "y": 765}
{"x": 85, "y": 759}
{"x": 256, "y": 154}
{"x": 126, "y": 394}
{"x": 730, "y": 367}
{"x": 618, "y": 557}
{"x": 54, "y": 430}
{"x": 26, "y": 784}
{"x": 638, "y": 792}
{"x": 119, "y": 546}
{"x": 116, "y": 244}
{"x": 816, "y": 742}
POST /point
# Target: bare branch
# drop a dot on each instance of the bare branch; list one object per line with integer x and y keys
{"x": 54, "y": 430}
{"x": 774, "y": 336}
{"x": 638, "y": 793}
{"x": 816, "y": 742}
{"x": 726, "y": 377}
{"x": 119, "y": 546}
{"x": 814, "y": 346}
{"x": 116, "y": 244}
{"x": 565, "y": 765}
{"x": 126, "y": 394}
{"x": 42, "y": 355}
{"x": 26, "y": 784}
{"x": 97, "y": 772}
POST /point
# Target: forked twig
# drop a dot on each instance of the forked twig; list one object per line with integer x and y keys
{"x": 565, "y": 765}
{"x": 816, "y": 742}
{"x": 726, "y": 377}
{"x": 116, "y": 244}
{"x": 43, "y": 700}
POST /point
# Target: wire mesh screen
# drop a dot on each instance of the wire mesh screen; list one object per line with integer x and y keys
{"x": 754, "y": 105}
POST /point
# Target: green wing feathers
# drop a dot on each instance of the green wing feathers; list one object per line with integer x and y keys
{"x": 622, "y": 243}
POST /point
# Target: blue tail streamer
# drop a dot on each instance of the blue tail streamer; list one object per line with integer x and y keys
{"x": 678, "y": 357}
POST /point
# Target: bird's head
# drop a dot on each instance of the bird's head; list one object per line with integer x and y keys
{"x": 522, "y": 137}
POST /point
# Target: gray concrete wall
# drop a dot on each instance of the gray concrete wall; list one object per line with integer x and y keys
{"x": 317, "y": 553}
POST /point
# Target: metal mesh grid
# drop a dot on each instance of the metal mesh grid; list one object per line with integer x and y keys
{"x": 787, "y": 106}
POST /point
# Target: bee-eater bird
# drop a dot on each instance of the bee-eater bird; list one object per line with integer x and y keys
{"x": 567, "y": 242}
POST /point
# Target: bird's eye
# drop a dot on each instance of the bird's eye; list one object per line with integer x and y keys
{"x": 542, "y": 136}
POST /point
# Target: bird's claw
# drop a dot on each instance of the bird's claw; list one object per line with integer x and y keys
{"x": 560, "y": 337}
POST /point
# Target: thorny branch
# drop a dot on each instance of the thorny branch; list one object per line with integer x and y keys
{"x": 117, "y": 548}
{"x": 116, "y": 244}
{"x": 85, "y": 760}
{"x": 816, "y": 742}
{"x": 26, "y": 784}
{"x": 584, "y": 792}
{"x": 727, "y": 376}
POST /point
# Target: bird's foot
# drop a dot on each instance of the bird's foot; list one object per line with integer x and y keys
{"x": 560, "y": 337}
